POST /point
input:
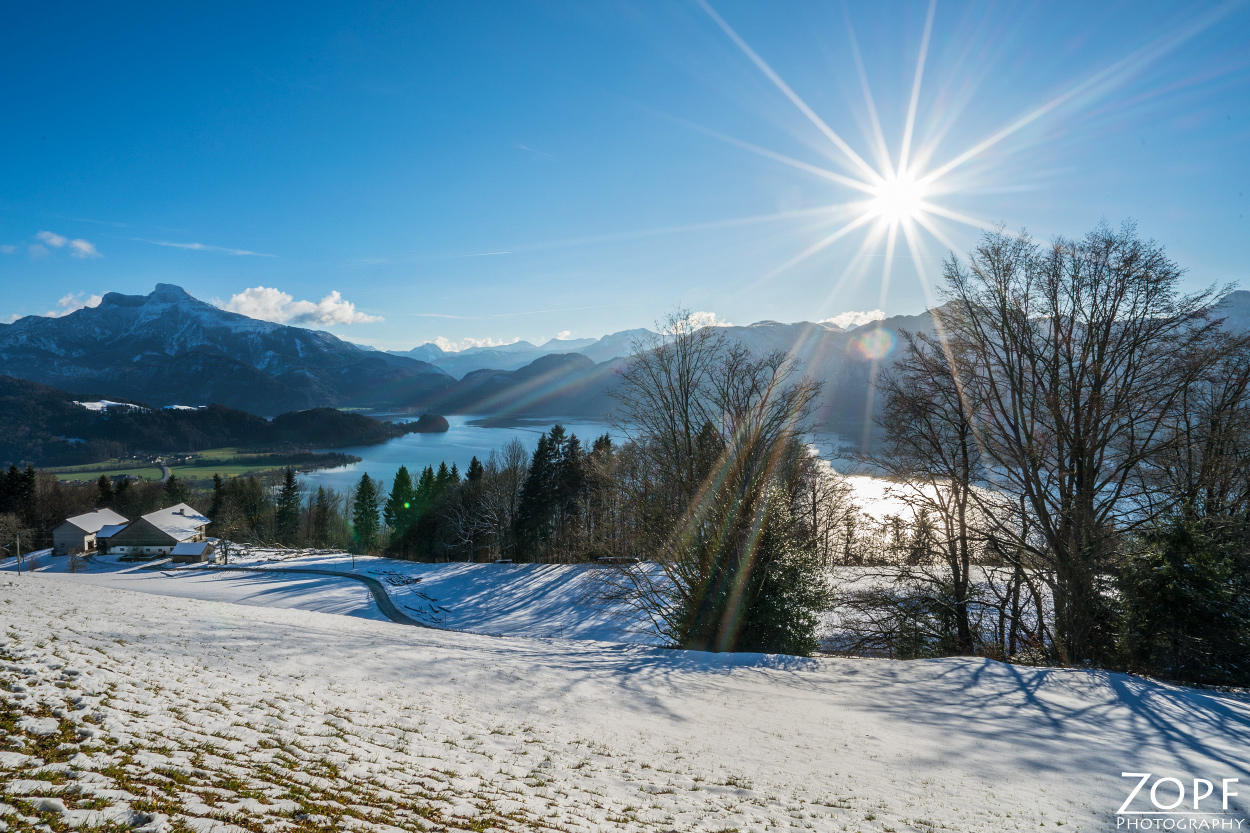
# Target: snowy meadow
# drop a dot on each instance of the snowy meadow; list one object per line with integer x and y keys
{"x": 160, "y": 713}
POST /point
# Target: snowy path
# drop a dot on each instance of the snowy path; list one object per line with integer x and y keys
{"x": 380, "y": 597}
{"x": 296, "y": 720}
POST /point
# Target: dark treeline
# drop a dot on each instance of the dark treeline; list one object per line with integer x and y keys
{"x": 41, "y": 425}
{"x": 1073, "y": 441}
{"x": 33, "y": 502}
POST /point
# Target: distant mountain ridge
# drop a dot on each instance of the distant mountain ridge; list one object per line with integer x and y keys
{"x": 170, "y": 348}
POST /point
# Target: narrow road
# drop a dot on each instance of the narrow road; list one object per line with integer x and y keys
{"x": 388, "y": 608}
{"x": 164, "y": 473}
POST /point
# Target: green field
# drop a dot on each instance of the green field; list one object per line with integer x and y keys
{"x": 110, "y": 468}
{"x": 228, "y": 462}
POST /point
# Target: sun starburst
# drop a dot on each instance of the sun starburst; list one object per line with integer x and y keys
{"x": 900, "y": 194}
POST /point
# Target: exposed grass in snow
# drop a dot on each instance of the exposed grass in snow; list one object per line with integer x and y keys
{"x": 129, "y": 710}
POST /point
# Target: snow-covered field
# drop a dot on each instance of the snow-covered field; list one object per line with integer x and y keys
{"x": 543, "y": 600}
{"x": 153, "y": 709}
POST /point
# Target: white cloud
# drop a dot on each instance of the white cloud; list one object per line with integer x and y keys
{"x": 203, "y": 247}
{"x": 269, "y": 304}
{"x": 12, "y": 317}
{"x": 8, "y": 250}
{"x": 449, "y": 346}
{"x": 73, "y": 302}
{"x": 703, "y": 319}
{"x": 848, "y": 320}
{"x": 49, "y": 240}
{"x": 563, "y": 334}
{"x": 81, "y": 248}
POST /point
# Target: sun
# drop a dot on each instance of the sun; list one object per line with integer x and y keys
{"x": 897, "y": 199}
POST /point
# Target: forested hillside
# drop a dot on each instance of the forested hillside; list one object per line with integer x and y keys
{"x": 44, "y": 426}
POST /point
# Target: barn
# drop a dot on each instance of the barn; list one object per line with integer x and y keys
{"x": 80, "y": 533}
{"x": 157, "y": 533}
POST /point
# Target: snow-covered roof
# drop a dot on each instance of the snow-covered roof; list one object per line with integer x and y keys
{"x": 180, "y": 522}
{"x": 97, "y": 520}
{"x": 105, "y": 404}
{"x": 189, "y": 548}
{"x": 109, "y": 530}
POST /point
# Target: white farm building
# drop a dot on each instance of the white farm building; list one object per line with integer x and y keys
{"x": 157, "y": 533}
{"x": 81, "y": 532}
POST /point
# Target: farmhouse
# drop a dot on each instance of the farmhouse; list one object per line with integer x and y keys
{"x": 157, "y": 533}
{"x": 82, "y": 532}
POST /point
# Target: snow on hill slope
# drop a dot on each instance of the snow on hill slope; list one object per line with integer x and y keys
{"x": 539, "y": 600}
{"x": 156, "y": 711}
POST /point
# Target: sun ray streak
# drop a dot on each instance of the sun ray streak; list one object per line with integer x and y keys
{"x": 815, "y": 170}
{"x": 781, "y": 85}
{"x": 824, "y": 243}
{"x": 874, "y": 365}
{"x": 1142, "y": 55}
{"x": 918, "y": 258}
{"x": 910, "y": 127}
{"x": 933, "y": 229}
{"x": 883, "y": 149}
{"x": 858, "y": 263}
{"x": 954, "y": 215}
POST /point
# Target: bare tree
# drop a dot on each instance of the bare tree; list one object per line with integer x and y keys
{"x": 716, "y": 437}
{"x": 1078, "y": 355}
{"x": 930, "y": 450}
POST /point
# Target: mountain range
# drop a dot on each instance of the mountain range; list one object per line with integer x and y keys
{"x": 520, "y": 353}
{"x": 168, "y": 348}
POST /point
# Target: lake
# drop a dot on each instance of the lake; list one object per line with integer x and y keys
{"x": 467, "y": 437}
{"x": 463, "y": 441}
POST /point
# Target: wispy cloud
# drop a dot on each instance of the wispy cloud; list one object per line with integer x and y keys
{"x": 269, "y": 304}
{"x": 49, "y": 240}
{"x": 8, "y": 250}
{"x": 849, "y": 320}
{"x": 73, "y": 302}
{"x": 541, "y": 153}
{"x": 202, "y": 247}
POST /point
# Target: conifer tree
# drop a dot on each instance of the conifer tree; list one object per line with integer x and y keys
{"x": 475, "y": 472}
{"x": 286, "y": 515}
{"x": 175, "y": 490}
{"x": 105, "y": 487}
{"x": 365, "y": 513}
{"x": 319, "y": 522}
{"x": 535, "y": 505}
{"x": 400, "y": 511}
{"x": 219, "y": 495}
{"x": 442, "y": 480}
{"x": 425, "y": 491}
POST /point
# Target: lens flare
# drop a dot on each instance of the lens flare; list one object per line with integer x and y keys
{"x": 874, "y": 345}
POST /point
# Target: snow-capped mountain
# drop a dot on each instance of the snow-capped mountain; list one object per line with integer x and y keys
{"x": 170, "y": 348}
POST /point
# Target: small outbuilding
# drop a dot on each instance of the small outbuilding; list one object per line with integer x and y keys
{"x": 157, "y": 533}
{"x": 81, "y": 533}
{"x": 191, "y": 552}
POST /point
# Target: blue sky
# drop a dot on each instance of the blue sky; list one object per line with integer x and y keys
{"x": 524, "y": 169}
